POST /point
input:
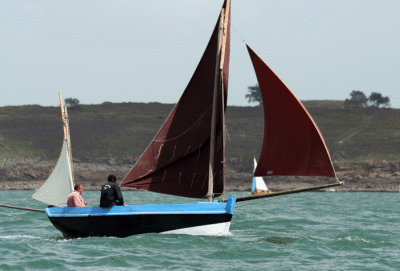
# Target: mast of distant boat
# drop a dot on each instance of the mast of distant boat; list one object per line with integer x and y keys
{"x": 65, "y": 120}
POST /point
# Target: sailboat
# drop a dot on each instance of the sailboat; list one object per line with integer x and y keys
{"x": 211, "y": 218}
{"x": 187, "y": 156}
{"x": 258, "y": 185}
{"x": 56, "y": 189}
{"x": 184, "y": 159}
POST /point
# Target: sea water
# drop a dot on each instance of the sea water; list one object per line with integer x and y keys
{"x": 308, "y": 231}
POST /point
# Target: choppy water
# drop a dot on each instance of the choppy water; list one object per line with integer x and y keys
{"x": 308, "y": 231}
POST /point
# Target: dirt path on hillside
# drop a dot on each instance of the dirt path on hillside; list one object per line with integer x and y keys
{"x": 364, "y": 124}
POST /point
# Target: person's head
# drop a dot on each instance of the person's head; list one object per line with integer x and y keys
{"x": 78, "y": 188}
{"x": 112, "y": 178}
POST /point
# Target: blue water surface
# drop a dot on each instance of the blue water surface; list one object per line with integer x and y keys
{"x": 308, "y": 231}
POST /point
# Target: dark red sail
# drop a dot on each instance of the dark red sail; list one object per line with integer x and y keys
{"x": 293, "y": 144}
{"x": 177, "y": 160}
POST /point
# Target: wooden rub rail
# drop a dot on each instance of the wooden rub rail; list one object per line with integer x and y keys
{"x": 22, "y": 208}
{"x": 275, "y": 194}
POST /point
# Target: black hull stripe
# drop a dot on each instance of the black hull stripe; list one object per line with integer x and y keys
{"x": 127, "y": 225}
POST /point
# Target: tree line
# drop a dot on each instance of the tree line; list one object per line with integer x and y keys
{"x": 357, "y": 98}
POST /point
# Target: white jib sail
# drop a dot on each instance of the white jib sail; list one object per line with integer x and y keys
{"x": 258, "y": 182}
{"x": 60, "y": 184}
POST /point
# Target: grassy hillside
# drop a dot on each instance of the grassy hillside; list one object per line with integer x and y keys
{"x": 122, "y": 131}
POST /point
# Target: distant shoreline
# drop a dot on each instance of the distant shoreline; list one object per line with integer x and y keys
{"x": 376, "y": 185}
{"x": 30, "y": 176}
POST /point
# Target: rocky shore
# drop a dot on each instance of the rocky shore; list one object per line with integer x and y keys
{"x": 358, "y": 177}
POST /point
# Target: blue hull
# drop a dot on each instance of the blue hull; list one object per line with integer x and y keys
{"x": 123, "y": 221}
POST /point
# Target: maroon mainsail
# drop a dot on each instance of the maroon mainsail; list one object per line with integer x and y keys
{"x": 293, "y": 144}
{"x": 177, "y": 160}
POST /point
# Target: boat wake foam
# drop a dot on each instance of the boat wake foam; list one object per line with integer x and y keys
{"x": 19, "y": 237}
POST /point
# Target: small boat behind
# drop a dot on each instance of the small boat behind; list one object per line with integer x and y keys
{"x": 259, "y": 187}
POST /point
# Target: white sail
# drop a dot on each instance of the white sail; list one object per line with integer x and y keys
{"x": 60, "y": 184}
{"x": 258, "y": 182}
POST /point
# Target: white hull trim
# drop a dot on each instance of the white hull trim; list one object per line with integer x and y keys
{"x": 208, "y": 230}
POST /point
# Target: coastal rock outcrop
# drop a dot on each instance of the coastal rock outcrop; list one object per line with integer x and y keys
{"x": 369, "y": 176}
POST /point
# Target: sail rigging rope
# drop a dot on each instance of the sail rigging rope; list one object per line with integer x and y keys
{"x": 237, "y": 32}
{"x": 93, "y": 199}
{"x": 341, "y": 182}
{"x": 194, "y": 124}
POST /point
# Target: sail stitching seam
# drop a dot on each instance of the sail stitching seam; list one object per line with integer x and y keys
{"x": 204, "y": 181}
{"x": 173, "y": 154}
{"x": 159, "y": 151}
{"x": 165, "y": 173}
{"x": 194, "y": 174}
{"x": 199, "y": 153}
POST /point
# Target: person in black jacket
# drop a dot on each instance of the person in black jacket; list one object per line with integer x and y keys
{"x": 111, "y": 193}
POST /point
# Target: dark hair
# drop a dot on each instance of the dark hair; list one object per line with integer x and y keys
{"x": 76, "y": 187}
{"x": 112, "y": 178}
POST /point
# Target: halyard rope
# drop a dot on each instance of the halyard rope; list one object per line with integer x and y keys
{"x": 93, "y": 199}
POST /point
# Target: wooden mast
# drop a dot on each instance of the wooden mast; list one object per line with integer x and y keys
{"x": 63, "y": 116}
{"x": 65, "y": 121}
{"x": 221, "y": 67}
{"x": 214, "y": 112}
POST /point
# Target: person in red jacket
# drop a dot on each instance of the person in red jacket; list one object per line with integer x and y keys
{"x": 75, "y": 198}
